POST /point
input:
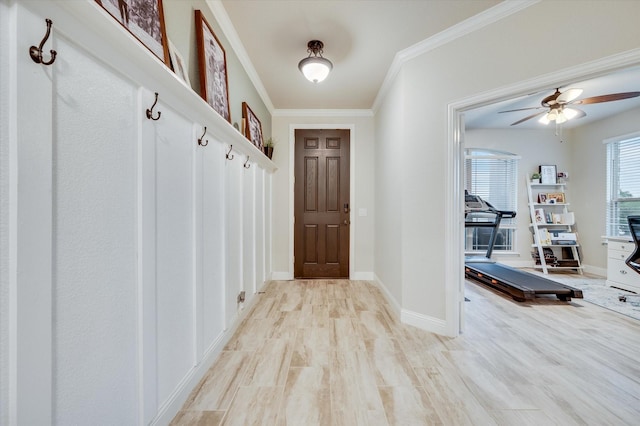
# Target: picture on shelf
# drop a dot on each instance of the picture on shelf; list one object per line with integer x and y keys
{"x": 253, "y": 130}
{"x": 214, "y": 86}
{"x": 540, "y": 216}
{"x": 548, "y": 174}
{"x": 557, "y": 196}
{"x": 145, "y": 21}
{"x": 178, "y": 64}
{"x": 542, "y": 198}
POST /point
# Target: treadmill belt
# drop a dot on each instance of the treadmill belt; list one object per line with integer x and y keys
{"x": 519, "y": 284}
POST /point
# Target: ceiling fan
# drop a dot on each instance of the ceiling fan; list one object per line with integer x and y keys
{"x": 558, "y": 106}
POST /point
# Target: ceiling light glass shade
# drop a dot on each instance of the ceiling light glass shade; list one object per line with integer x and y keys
{"x": 570, "y": 113}
{"x": 315, "y": 69}
{"x": 560, "y": 118}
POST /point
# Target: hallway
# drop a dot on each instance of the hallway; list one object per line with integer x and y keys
{"x": 332, "y": 353}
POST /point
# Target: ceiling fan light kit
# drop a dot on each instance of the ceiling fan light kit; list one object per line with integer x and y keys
{"x": 315, "y": 68}
{"x": 558, "y": 108}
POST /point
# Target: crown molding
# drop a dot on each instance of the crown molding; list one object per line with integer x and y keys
{"x": 220, "y": 13}
{"x": 474, "y": 23}
{"x": 322, "y": 113}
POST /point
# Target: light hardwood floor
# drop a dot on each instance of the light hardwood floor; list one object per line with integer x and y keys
{"x": 332, "y": 353}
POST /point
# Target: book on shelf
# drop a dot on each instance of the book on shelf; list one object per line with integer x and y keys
{"x": 563, "y": 218}
{"x": 545, "y": 237}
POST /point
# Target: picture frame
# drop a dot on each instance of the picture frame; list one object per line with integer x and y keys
{"x": 558, "y": 197}
{"x": 548, "y": 174}
{"x": 542, "y": 198}
{"x": 178, "y": 64}
{"x": 212, "y": 60}
{"x": 144, "y": 19}
{"x": 253, "y": 127}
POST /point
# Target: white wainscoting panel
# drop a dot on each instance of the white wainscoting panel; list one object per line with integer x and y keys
{"x": 94, "y": 241}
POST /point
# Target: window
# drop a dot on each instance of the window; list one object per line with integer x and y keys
{"x": 623, "y": 182}
{"x": 492, "y": 175}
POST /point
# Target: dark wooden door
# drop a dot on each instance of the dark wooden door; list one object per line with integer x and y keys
{"x": 321, "y": 240}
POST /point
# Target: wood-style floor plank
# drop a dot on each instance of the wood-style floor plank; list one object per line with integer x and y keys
{"x": 331, "y": 352}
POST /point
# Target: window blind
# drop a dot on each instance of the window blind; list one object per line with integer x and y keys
{"x": 623, "y": 184}
{"x": 492, "y": 175}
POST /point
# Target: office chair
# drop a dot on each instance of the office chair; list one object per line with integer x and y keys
{"x": 633, "y": 261}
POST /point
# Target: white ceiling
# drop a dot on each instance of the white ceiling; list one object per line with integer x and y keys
{"x": 361, "y": 38}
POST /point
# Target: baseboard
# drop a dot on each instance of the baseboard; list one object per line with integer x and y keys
{"x": 362, "y": 276}
{"x": 595, "y": 270}
{"x": 281, "y": 276}
{"x": 395, "y": 306}
{"x": 168, "y": 410}
{"x": 424, "y": 322}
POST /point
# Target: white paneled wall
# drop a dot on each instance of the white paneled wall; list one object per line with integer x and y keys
{"x": 233, "y": 232}
{"x": 93, "y": 238}
{"x": 131, "y": 241}
{"x": 248, "y": 232}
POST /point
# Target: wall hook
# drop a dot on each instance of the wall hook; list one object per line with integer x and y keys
{"x": 246, "y": 164}
{"x": 36, "y": 52}
{"x": 229, "y": 154}
{"x": 150, "y": 111}
{"x": 205, "y": 143}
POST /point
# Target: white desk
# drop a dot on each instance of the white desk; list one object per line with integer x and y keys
{"x": 618, "y": 273}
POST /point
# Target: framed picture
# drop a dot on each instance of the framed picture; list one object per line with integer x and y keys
{"x": 178, "y": 64}
{"x": 548, "y": 174}
{"x": 253, "y": 127}
{"x": 212, "y": 58}
{"x": 542, "y": 198}
{"x": 557, "y": 196}
{"x": 145, "y": 21}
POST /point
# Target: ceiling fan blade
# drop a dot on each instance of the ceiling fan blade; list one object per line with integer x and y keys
{"x": 529, "y": 117}
{"x": 607, "y": 98}
{"x": 519, "y": 109}
{"x": 568, "y": 95}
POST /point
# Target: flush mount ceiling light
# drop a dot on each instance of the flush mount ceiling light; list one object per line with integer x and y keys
{"x": 315, "y": 68}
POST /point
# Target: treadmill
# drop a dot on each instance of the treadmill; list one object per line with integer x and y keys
{"x": 520, "y": 285}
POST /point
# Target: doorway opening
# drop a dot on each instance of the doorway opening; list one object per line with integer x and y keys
{"x": 456, "y": 138}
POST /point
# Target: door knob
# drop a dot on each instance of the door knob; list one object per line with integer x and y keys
{"x": 347, "y": 222}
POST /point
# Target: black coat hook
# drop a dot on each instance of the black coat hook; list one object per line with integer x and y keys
{"x": 150, "y": 111}
{"x": 36, "y": 52}
{"x": 246, "y": 164}
{"x": 205, "y": 143}
{"x": 229, "y": 154}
